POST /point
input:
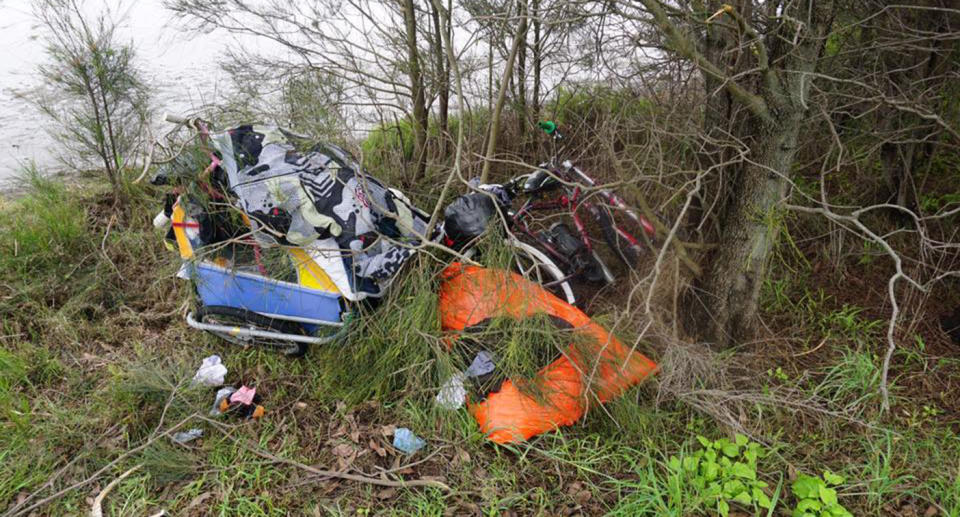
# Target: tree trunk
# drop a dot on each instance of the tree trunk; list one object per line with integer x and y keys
{"x": 720, "y": 116}
{"x": 416, "y": 88}
{"x": 522, "y": 77}
{"x": 899, "y": 162}
{"x": 100, "y": 135}
{"x": 751, "y": 225}
{"x": 716, "y": 44}
{"x": 443, "y": 80}
{"x": 490, "y": 74}
{"x": 731, "y": 288}
{"x": 537, "y": 60}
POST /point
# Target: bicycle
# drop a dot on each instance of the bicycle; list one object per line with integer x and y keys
{"x": 574, "y": 252}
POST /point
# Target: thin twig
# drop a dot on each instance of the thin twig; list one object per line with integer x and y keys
{"x": 814, "y": 349}
{"x": 103, "y": 247}
{"x": 326, "y": 473}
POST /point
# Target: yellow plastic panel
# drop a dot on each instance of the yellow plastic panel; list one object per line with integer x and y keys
{"x": 310, "y": 274}
{"x": 183, "y": 242}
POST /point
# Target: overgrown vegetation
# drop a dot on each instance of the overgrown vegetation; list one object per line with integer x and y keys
{"x": 817, "y": 496}
{"x": 83, "y": 385}
{"x": 807, "y": 418}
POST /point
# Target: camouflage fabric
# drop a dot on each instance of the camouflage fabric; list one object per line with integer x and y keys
{"x": 322, "y": 195}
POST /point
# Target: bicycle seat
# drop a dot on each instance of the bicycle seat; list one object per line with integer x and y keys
{"x": 539, "y": 181}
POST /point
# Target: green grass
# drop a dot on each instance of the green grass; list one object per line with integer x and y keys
{"x": 852, "y": 384}
{"x": 45, "y": 232}
{"x": 87, "y": 370}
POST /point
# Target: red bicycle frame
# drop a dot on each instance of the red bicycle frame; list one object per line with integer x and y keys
{"x": 572, "y": 201}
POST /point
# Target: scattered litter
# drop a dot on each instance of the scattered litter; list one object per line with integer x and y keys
{"x": 242, "y": 402}
{"x": 482, "y": 364}
{"x": 211, "y": 372}
{"x": 244, "y": 395}
{"x": 184, "y": 272}
{"x": 223, "y": 394}
{"x": 452, "y": 394}
{"x": 467, "y": 217}
{"x": 405, "y": 441}
{"x": 161, "y": 220}
{"x": 187, "y": 436}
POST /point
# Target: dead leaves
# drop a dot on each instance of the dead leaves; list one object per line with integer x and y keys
{"x": 359, "y": 447}
{"x": 377, "y": 448}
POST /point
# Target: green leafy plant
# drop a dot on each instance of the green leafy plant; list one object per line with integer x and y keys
{"x": 817, "y": 497}
{"x": 778, "y": 374}
{"x": 930, "y": 203}
{"x": 723, "y": 472}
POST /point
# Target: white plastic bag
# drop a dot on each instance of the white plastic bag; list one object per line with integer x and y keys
{"x": 453, "y": 393}
{"x": 211, "y": 372}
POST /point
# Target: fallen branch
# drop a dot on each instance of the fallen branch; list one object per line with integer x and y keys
{"x": 96, "y": 510}
{"x": 80, "y": 484}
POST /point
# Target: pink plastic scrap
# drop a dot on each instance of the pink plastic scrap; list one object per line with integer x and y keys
{"x": 244, "y": 395}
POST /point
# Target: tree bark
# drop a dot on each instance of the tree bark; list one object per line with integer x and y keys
{"x": 774, "y": 106}
{"x": 443, "y": 80}
{"x": 751, "y": 228}
{"x": 715, "y": 44}
{"x": 537, "y": 60}
{"x": 490, "y": 74}
{"x": 521, "y": 104}
{"x": 420, "y": 119}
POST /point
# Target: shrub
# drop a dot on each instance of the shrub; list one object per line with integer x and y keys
{"x": 723, "y": 472}
{"x": 94, "y": 91}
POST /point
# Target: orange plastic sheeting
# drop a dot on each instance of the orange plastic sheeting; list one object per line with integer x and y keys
{"x": 470, "y": 295}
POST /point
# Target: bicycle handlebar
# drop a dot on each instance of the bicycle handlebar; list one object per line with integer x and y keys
{"x": 548, "y": 126}
{"x": 194, "y": 123}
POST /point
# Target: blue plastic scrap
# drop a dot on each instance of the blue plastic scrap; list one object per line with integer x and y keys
{"x": 405, "y": 441}
{"x": 482, "y": 364}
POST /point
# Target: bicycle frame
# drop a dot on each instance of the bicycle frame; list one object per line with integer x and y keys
{"x": 571, "y": 200}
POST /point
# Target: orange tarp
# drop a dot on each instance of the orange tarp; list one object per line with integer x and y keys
{"x": 470, "y": 295}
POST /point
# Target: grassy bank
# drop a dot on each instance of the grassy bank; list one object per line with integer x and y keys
{"x": 96, "y": 361}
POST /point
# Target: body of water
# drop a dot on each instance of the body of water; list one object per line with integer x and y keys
{"x": 181, "y": 67}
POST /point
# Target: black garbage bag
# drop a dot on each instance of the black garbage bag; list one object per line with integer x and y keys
{"x": 467, "y": 217}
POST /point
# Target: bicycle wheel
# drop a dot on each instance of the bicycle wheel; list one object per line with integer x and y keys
{"x": 244, "y": 319}
{"x": 625, "y": 250}
{"x": 535, "y": 265}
